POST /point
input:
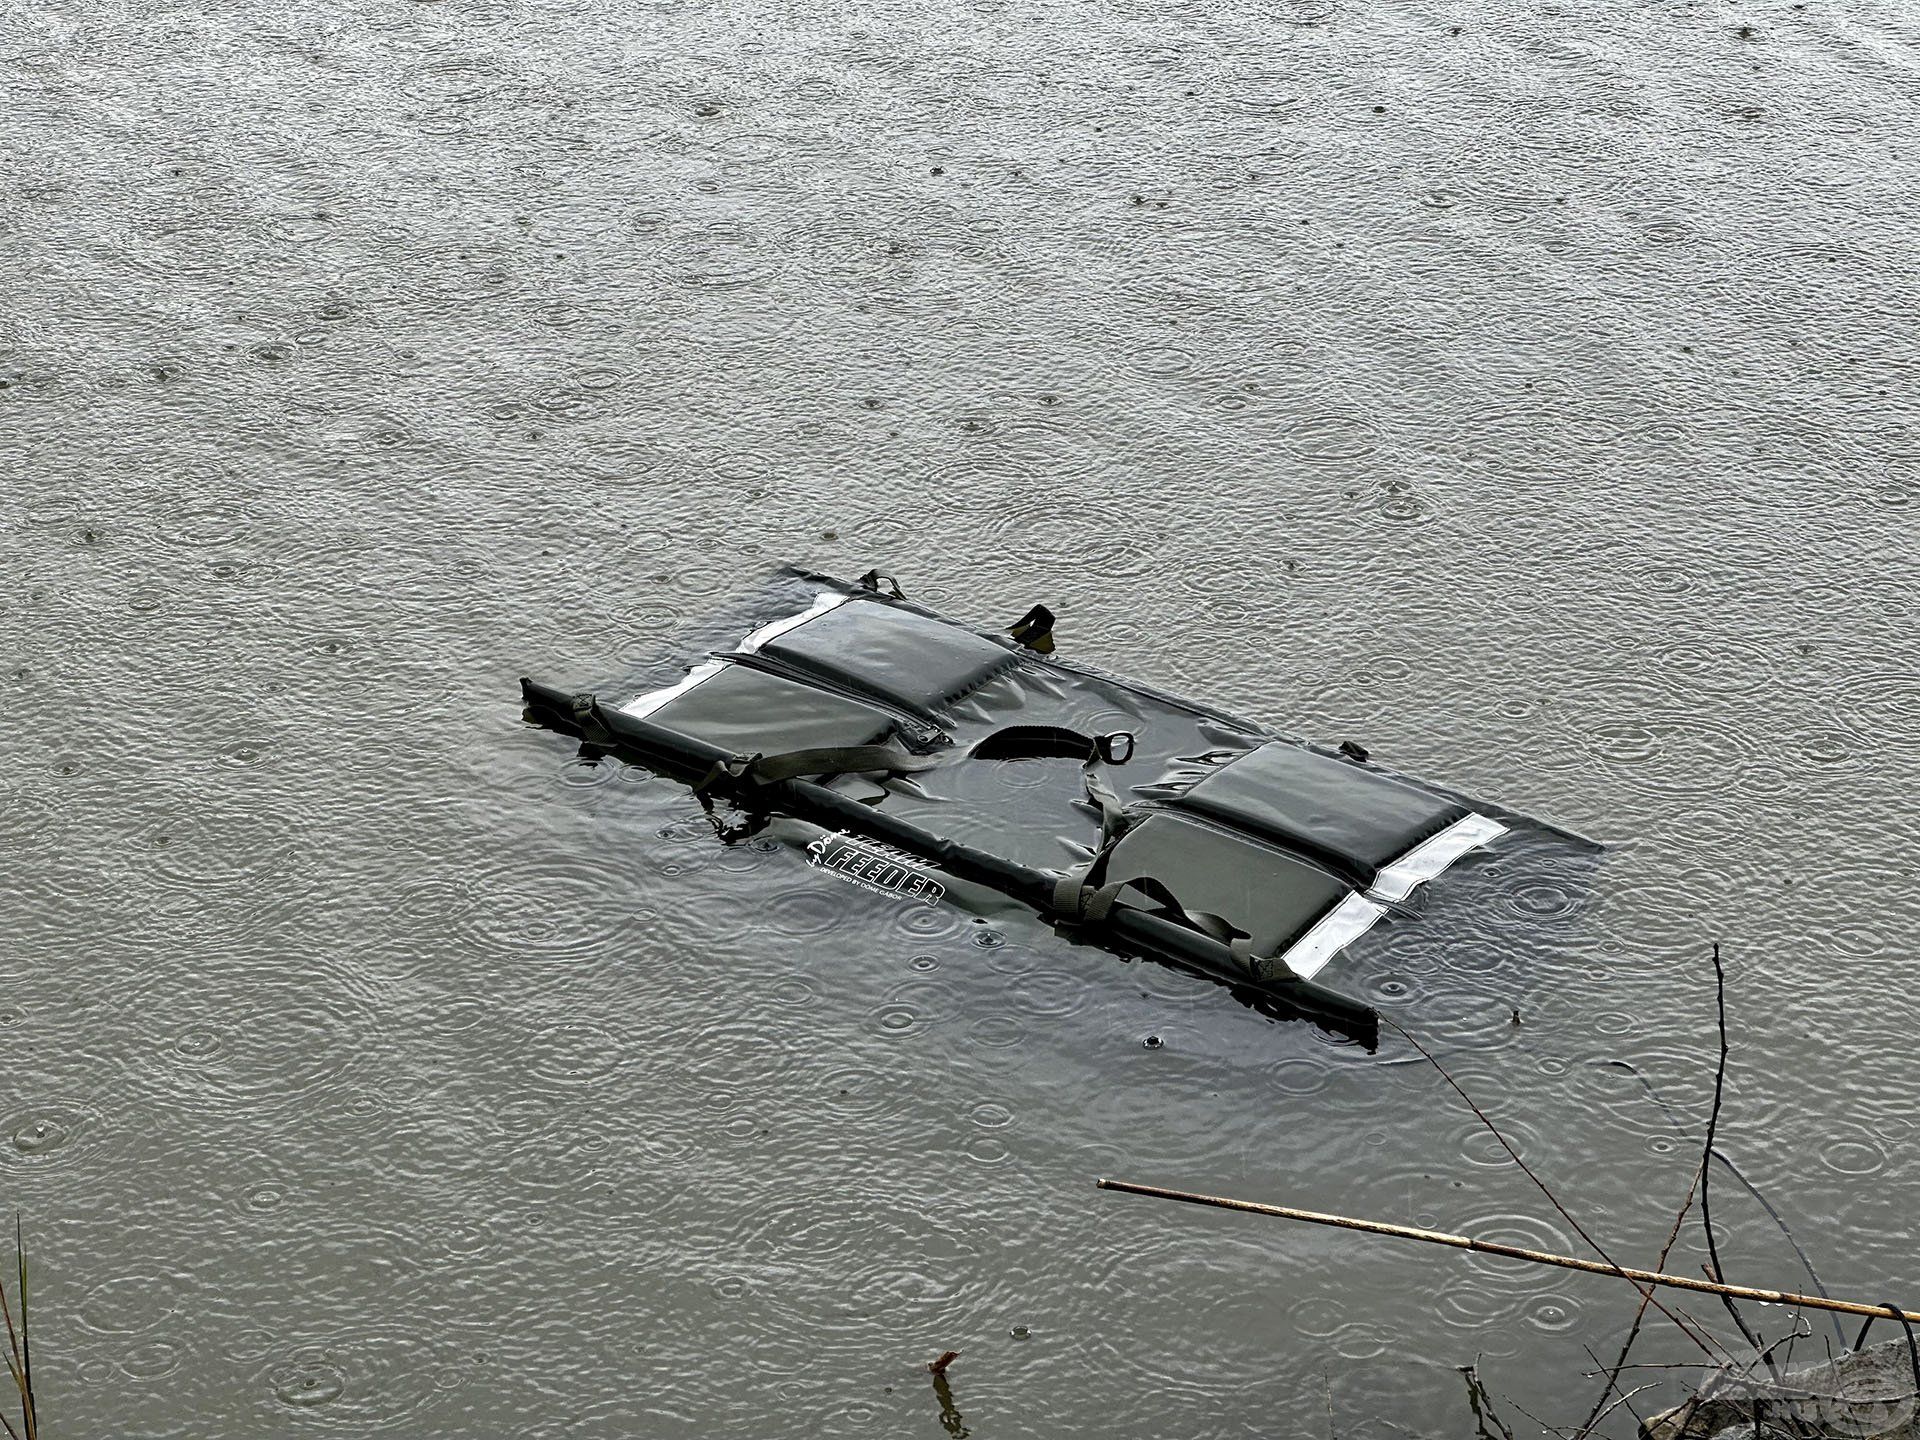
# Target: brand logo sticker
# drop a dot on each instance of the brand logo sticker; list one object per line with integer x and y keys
{"x": 875, "y": 867}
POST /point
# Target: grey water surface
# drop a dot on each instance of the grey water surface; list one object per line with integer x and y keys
{"x": 1526, "y": 391}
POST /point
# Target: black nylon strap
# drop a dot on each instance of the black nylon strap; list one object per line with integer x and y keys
{"x": 1090, "y": 903}
{"x": 732, "y": 769}
{"x": 1078, "y": 900}
{"x": 586, "y": 714}
{"x": 1265, "y": 968}
{"x": 752, "y": 821}
{"x": 1115, "y": 821}
{"x": 1214, "y": 927}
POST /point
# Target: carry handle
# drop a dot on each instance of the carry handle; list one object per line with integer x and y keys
{"x": 1054, "y": 742}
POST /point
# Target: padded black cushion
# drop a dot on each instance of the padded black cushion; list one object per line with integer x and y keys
{"x": 751, "y": 712}
{"x": 895, "y": 654}
{"x": 1321, "y": 805}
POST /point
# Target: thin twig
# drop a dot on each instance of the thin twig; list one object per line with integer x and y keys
{"x": 13, "y": 1343}
{"x": 13, "y": 1340}
{"x": 14, "y": 1371}
{"x": 26, "y": 1343}
{"x": 1482, "y": 1403}
{"x": 1706, "y": 1163}
{"x": 1545, "y": 1428}
{"x": 1700, "y": 1339}
{"x": 1600, "y": 1407}
{"x": 1625, "y": 1397}
{"x": 1787, "y": 1339}
{"x": 19, "y": 1350}
{"x": 1593, "y": 1420}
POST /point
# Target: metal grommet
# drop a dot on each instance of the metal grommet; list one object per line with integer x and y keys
{"x": 1108, "y": 744}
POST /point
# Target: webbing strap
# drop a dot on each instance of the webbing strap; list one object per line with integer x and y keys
{"x": 752, "y": 821}
{"x": 1214, "y": 927}
{"x": 1091, "y": 904}
{"x": 1115, "y": 818}
{"x": 586, "y": 715}
{"x": 1082, "y": 901}
{"x": 1266, "y": 968}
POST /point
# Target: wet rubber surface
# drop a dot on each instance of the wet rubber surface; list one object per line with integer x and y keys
{"x": 1531, "y": 404}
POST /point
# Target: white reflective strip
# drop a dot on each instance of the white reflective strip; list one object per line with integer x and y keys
{"x": 821, "y": 605}
{"x": 642, "y": 706}
{"x": 1337, "y": 929}
{"x": 1424, "y": 861}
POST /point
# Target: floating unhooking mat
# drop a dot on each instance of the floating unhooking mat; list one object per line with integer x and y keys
{"x": 912, "y": 750}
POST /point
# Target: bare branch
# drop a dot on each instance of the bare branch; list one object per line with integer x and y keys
{"x": 1706, "y": 1164}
